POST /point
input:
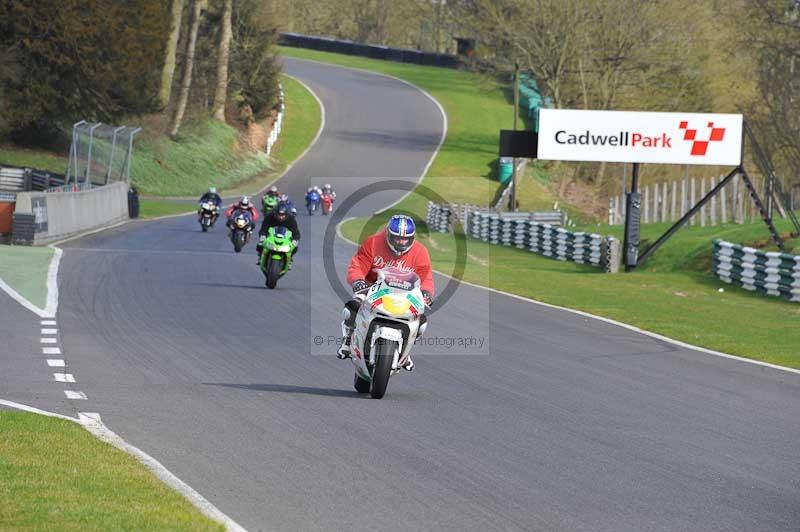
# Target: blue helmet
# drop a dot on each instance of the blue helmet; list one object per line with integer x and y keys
{"x": 400, "y": 233}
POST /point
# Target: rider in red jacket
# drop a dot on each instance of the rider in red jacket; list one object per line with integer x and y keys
{"x": 243, "y": 204}
{"x": 394, "y": 246}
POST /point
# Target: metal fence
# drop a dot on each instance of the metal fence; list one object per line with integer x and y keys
{"x": 100, "y": 153}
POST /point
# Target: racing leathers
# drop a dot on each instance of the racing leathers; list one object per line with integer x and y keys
{"x": 373, "y": 255}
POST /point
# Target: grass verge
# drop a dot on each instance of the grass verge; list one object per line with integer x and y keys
{"x": 673, "y": 294}
{"x": 206, "y": 152}
{"x": 24, "y": 269}
{"x": 56, "y": 475}
{"x": 153, "y": 208}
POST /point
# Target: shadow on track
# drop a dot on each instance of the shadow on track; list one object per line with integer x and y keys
{"x": 288, "y": 388}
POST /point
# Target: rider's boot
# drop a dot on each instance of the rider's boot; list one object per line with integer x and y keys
{"x": 409, "y": 365}
{"x": 347, "y": 333}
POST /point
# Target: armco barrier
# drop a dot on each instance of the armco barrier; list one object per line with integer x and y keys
{"x": 766, "y": 272}
{"x": 59, "y": 215}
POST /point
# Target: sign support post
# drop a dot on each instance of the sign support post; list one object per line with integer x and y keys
{"x": 632, "y": 221}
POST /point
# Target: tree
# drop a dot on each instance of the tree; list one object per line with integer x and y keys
{"x": 168, "y": 71}
{"x": 188, "y": 63}
{"x": 220, "y": 95}
{"x": 98, "y": 61}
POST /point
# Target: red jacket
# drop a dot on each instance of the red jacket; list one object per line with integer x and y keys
{"x": 375, "y": 254}
{"x": 236, "y": 207}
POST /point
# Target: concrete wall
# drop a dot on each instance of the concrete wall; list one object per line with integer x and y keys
{"x": 63, "y": 214}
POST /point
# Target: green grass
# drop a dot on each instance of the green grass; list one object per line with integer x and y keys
{"x": 206, "y": 152}
{"x": 153, "y": 208}
{"x": 42, "y": 160}
{"x": 673, "y": 294}
{"x": 54, "y": 475}
{"x": 25, "y": 269}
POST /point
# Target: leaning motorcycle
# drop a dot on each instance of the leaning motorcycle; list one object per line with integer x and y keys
{"x": 208, "y": 215}
{"x": 276, "y": 254}
{"x": 240, "y": 230}
{"x": 387, "y": 325}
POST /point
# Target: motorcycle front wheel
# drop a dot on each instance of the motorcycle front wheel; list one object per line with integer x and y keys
{"x": 273, "y": 273}
{"x": 383, "y": 367}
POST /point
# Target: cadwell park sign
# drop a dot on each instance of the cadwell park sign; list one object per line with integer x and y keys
{"x": 640, "y": 137}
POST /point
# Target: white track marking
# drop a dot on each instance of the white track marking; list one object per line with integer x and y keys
{"x": 49, "y": 331}
{"x": 48, "y": 322}
{"x": 51, "y": 304}
{"x": 48, "y": 340}
{"x": 93, "y": 423}
{"x": 34, "y": 410}
{"x": 80, "y": 396}
{"x": 52, "y": 284}
{"x": 64, "y": 377}
{"x": 51, "y": 351}
{"x": 55, "y": 363}
{"x": 600, "y": 318}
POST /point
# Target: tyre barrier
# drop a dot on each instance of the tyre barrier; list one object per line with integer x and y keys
{"x": 523, "y": 231}
{"x": 23, "y": 228}
{"x": 766, "y": 272}
{"x": 373, "y": 51}
{"x": 16, "y": 179}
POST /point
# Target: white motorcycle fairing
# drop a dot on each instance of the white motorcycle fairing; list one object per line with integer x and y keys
{"x": 387, "y": 324}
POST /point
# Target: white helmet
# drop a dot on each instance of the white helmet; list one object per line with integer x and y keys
{"x": 327, "y": 186}
{"x": 245, "y": 201}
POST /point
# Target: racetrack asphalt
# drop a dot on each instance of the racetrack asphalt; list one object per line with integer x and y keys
{"x": 557, "y": 422}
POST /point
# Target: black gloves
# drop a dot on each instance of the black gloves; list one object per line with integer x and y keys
{"x": 359, "y": 285}
{"x": 428, "y": 298}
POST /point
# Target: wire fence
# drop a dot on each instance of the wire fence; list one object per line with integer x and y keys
{"x": 100, "y": 154}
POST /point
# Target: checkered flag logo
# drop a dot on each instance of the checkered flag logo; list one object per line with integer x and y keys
{"x": 699, "y": 146}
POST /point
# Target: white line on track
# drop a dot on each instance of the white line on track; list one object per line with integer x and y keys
{"x": 51, "y": 351}
{"x": 48, "y": 340}
{"x": 56, "y": 363}
{"x": 48, "y": 322}
{"x": 64, "y": 377}
{"x": 49, "y": 331}
{"x": 75, "y": 395}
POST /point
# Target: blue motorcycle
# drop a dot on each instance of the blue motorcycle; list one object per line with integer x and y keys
{"x": 313, "y": 201}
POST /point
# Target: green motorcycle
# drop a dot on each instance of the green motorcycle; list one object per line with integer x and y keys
{"x": 269, "y": 203}
{"x": 276, "y": 254}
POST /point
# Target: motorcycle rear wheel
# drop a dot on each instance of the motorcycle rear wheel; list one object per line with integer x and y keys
{"x": 383, "y": 368}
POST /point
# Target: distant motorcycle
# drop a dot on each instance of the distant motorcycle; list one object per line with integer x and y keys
{"x": 387, "y": 325}
{"x": 276, "y": 254}
{"x": 327, "y": 203}
{"x": 208, "y": 215}
{"x": 312, "y": 202}
{"x": 241, "y": 227}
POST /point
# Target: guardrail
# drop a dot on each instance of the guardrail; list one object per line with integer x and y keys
{"x": 16, "y": 179}
{"x": 441, "y": 216}
{"x": 766, "y": 272}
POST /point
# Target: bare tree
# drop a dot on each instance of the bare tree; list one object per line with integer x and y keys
{"x": 168, "y": 70}
{"x": 221, "y": 92}
{"x": 188, "y": 63}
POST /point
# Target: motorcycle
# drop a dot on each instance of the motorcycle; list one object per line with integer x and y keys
{"x": 387, "y": 325}
{"x": 327, "y": 204}
{"x": 241, "y": 227}
{"x": 208, "y": 215}
{"x": 269, "y": 203}
{"x": 276, "y": 254}
{"x": 312, "y": 202}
